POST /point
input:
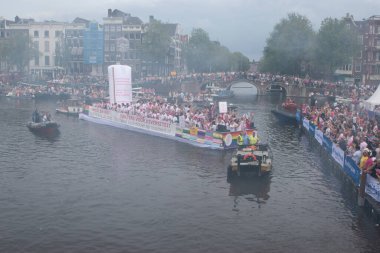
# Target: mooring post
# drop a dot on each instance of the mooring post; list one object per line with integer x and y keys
{"x": 361, "y": 194}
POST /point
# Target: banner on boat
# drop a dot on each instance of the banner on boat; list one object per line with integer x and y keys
{"x": 133, "y": 120}
{"x": 120, "y": 84}
{"x": 210, "y": 138}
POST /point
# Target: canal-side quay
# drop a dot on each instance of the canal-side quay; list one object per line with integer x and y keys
{"x": 345, "y": 168}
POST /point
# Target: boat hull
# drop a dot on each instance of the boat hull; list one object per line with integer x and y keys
{"x": 43, "y": 128}
{"x": 66, "y": 112}
{"x": 284, "y": 115}
{"x": 194, "y": 136}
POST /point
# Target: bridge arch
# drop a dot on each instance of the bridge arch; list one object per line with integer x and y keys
{"x": 260, "y": 86}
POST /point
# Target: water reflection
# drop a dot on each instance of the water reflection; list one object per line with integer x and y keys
{"x": 49, "y": 136}
{"x": 254, "y": 189}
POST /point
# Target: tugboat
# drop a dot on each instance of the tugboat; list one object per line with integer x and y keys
{"x": 42, "y": 125}
{"x": 250, "y": 161}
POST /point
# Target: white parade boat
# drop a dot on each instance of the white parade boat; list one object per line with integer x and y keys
{"x": 194, "y": 135}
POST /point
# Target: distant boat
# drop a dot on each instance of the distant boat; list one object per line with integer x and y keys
{"x": 223, "y": 94}
{"x": 70, "y": 107}
{"x": 275, "y": 88}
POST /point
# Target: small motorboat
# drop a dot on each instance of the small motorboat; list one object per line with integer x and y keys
{"x": 287, "y": 111}
{"x": 42, "y": 125}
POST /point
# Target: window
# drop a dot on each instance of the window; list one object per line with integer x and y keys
{"x": 361, "y": 39}
{"x": 138, "y": 36}
{"x": 47, "y": 61}
{"x": 46, "y": 34}
{"x": 36, "y": 60}
{"x": 36, "y": 34}
{"x": 36, "y": 46}
{"x": 358, "y": 67}
{"x": 58, "y": 34}
{"x": 47, "y": 46}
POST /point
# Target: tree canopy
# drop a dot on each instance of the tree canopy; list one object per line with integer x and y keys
{"x": 204, "y": 55}
{"x": 156, "y": 42}
{"x": 336, "y": 43}
{"x": 293, "y": 48}
{"x": 288, "y": 46}
{"x": 16, "y": 51}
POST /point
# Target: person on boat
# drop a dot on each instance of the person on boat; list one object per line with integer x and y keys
{"x": 36, "y": 118}
{"x": 240, "y": 139}
{"x": 245, "y": 139}
{"x": 253, "y": 139}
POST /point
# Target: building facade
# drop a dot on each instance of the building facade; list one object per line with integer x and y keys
{"x": 94, "y": 48}
{"x": 122, "y": 40}
{"x": 371, "y": 51}
{"x": 88, "y": 48}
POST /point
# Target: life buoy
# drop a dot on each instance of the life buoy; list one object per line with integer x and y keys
{"x": 250, "y": 156}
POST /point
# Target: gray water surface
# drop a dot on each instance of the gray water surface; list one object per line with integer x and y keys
{"x": 97, "y": 188}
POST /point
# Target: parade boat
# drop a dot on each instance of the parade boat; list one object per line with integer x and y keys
{"x": 121, "y": 92}
{"x": 220, "y": 140}
{"x": 42, "y": 124}
{"x": 250, "y": 161}
{"x": 71, "y": 107}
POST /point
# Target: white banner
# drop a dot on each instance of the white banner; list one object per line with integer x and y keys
{"x": 318, "y": 136}
{"x": 223, "y": 107}
{"x": 372, "y": 187}
{"x": 338, "y": 155}
{"x": 306, "y": 123}
{"x": 120, "y": 84}
{"x": 134, "y": 120}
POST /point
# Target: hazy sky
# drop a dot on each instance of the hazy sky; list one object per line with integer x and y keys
{"x": 240, "y": 25}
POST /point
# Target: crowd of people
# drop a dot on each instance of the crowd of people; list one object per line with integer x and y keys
{"x": 186, "y": 115}
{"x": 352, "y": 128}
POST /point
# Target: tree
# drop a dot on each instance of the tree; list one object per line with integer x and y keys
{"x": 198, "y": 51}
{"x": 288, "y": 46}
{"x": 204, "y": 55}
{"x": 240, "y": 62}
{"x": 335, "y": 44}
{"x": 16, "y": 51}
{"x": 155, "y": 43}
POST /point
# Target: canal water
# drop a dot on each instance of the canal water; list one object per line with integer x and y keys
{"x": 97, "y": 188}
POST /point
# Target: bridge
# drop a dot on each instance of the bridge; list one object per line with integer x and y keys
{"x": 194, "y": 86}
{"x": 262, "y": 87}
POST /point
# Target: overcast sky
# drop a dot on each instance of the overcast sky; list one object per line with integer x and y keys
{"x": 240, "y": 25}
